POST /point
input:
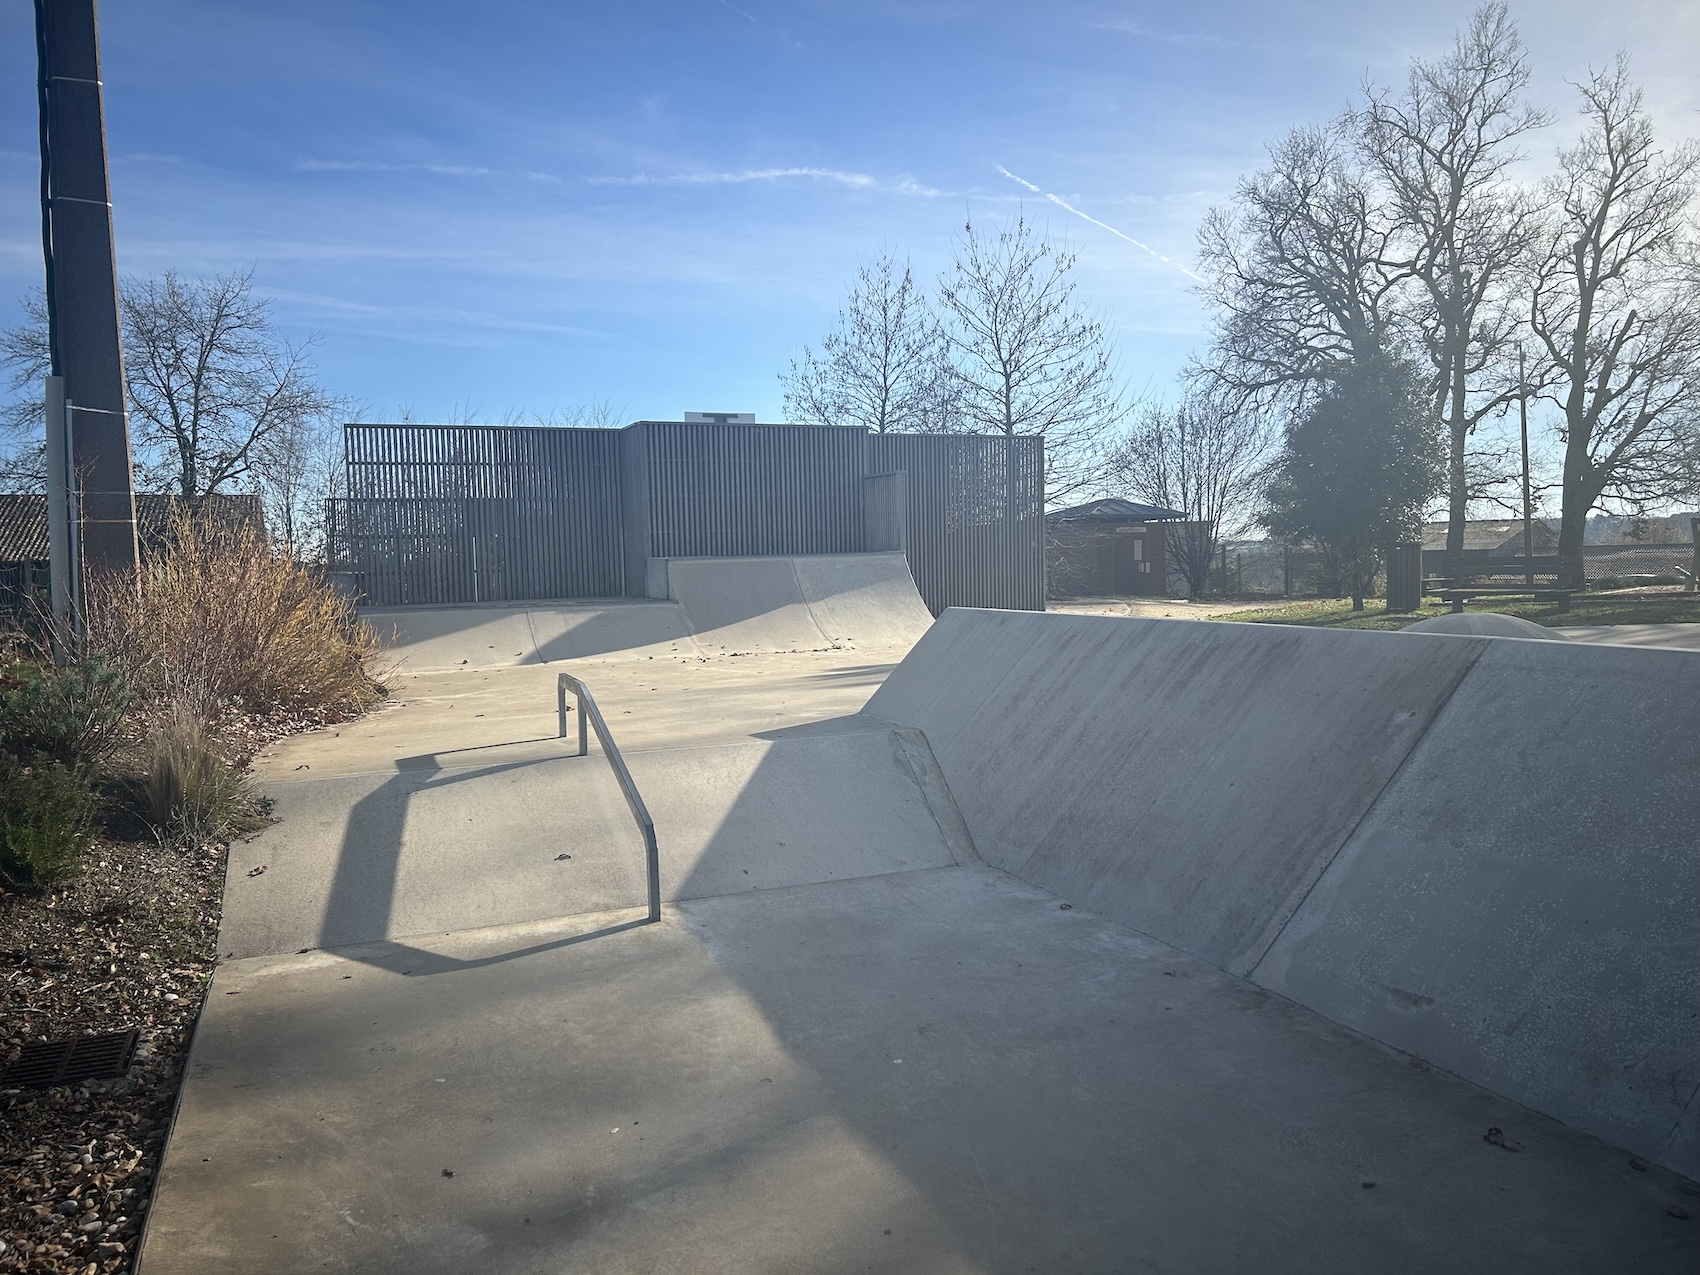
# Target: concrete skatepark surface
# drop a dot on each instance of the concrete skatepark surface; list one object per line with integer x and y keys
{"x": 1087, "y": 1081}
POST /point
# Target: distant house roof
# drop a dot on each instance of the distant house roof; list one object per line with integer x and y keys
{"x": 1493, "y": 533}
{"x": 1116, "y": 511}
{"x": 23, "y": 520}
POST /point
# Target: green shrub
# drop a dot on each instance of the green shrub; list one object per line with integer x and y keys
{"x": 46, "y": 814}
{"x": 74, "y": 714}
{"x": 193, "y": 792}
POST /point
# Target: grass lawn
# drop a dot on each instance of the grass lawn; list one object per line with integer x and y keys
{"x": 1605, "y": 608}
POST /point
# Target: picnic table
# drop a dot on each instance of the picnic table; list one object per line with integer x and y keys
{"x": 1559, "y": 578}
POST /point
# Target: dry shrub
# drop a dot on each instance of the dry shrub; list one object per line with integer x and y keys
{"x": 194, "y": 795}
{"x": 221, "y": 619}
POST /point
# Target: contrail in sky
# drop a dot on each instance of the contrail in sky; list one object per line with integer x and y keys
{"x": 1066, "y": 207}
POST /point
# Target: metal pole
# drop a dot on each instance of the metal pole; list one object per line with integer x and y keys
{"x": 58, "y": 516}
{"x": 1694, "y": 568}
{"x": 74, "y": 528}
{"x": 1528, "y": 505}
{"x": 82, "y": 277}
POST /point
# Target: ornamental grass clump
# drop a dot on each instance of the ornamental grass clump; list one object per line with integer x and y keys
{"x": 194, "y": 794}
{"x": 224, "y": 621}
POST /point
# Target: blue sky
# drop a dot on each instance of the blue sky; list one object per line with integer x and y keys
{"x": 525, "y": 206}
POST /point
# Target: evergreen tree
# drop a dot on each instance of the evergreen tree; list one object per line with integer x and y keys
{"x": 1357, "y": 469}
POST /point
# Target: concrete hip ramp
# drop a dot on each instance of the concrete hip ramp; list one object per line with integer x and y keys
{"x": 697, "y": 606}
{"x": 1479, "y": 851}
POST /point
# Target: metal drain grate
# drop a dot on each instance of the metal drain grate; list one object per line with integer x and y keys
{"x": 65, "y": 1062}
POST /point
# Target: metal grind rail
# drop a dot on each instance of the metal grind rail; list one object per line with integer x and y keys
{"x": 589, "y": 715}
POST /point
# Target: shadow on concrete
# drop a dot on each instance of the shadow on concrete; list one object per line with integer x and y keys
{"x": 362, "y": 893}
{"x": 854, "y": 673}
{"x": 1063, "y": 1092}
{"x": 845, "y": 724}
{"x": 401, "y": 958}
{"x": 428, "y": 761}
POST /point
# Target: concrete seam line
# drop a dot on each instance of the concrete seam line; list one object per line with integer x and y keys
{"x": 935, "y": 791}
{"x": 807, "y": 605}
{"x": 536, "y": 647}
{"x": 1669, "y": 1144}
{"x": 1274, "y": 931}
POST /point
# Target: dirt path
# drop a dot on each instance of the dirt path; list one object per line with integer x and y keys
{"x": 1159, "y": 608}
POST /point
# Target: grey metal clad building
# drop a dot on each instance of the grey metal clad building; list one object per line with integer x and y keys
{"x": 474, "y": 513}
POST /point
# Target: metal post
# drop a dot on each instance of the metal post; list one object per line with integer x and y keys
{"x": 74, "y": 520}
{"x": 58, "y": 515}
{"x": 1528, "y": 506}
{"x": 1694, "y": 568}
{"x": 82, "y": 277}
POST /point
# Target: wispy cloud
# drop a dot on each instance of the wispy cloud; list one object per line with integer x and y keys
{"x": 832, "y": 176}
{"x": 429, "y": 314}
{"x": 1127, "y": 26}
{"x": 1067, "y": 207}
{"x": 757, "y": 22}
{"x": 441, "y": 170}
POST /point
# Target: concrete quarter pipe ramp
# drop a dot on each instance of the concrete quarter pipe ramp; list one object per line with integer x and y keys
{"x": 1477, "y": 850}
{"x": 696, "y": 606}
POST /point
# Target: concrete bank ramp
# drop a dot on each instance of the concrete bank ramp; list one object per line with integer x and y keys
{"x": 1479, "y": 851}
{"x": 794, "y": 603}
{"x": 501, "y": 635}
{"x": 436, "y": 845}
{"x": 698, "y": 606}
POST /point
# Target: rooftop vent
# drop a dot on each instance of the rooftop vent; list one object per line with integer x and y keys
{"x": 720, "y": 418}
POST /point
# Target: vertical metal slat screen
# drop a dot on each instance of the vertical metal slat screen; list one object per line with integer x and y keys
{"x": 735, "y": 491}
{"x": 975, "y": 525}
{"x": 451, "y": 513}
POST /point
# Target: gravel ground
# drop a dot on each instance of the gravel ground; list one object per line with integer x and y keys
{"x": 129, "y": 942}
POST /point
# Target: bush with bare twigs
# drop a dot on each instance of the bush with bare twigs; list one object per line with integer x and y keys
{"x": 224, "y": 621}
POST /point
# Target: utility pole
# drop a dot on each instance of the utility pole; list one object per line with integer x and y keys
{"x": 92, "y": 430}
{"x": 1528, "y": 505}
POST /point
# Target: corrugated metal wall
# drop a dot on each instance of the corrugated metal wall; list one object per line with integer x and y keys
{"x": 448, "y": 513}
{"x": 466, "y": 513}
{"x": 736, "y": 491}
{"x": 975, "y": 527}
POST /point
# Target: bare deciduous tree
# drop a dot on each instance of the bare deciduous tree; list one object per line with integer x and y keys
{"x": 1300, "y": 270}
{"x": 1203, "y": 457}
{"x": 884, "y": 368}
{"x": 24, "y": 354}
{"x": 1443, "y": 149}
{"x": 299, "y": 469}
{"x": 211, "y": 381}
{"x": 1615, "y": 311}
{"x": 1026, "y": 358}
{"x": 595, "y": 414}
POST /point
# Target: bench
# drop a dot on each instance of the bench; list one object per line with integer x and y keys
{"x": 1475, "y": 566}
